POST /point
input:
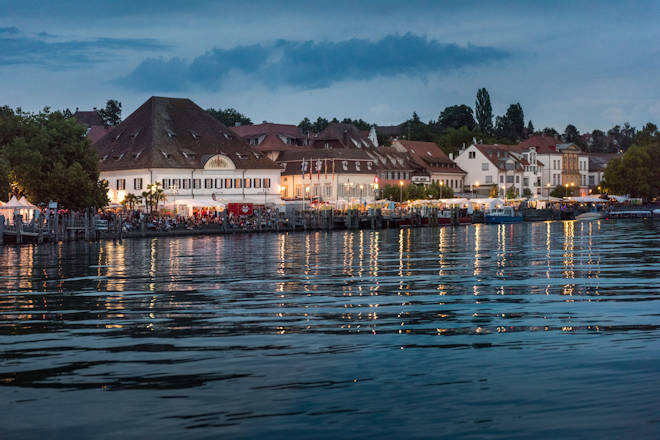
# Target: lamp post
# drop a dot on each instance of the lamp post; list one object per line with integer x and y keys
{"x": 400, "y": 191}
{"x": 477, "y": 185}
{"x": 173, "y": 188}
{"x": 361, "y": 188}
{"x": 547, "y": 185}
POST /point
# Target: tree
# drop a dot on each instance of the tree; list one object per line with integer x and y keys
{"x": 512, "y": 125}
{"x": 454, "y": 139}
{"x": 600, "y": 142}
{"x": 647, "y": 135}
{"x": 320, "y": 124}
{"x": 635, "y": 173}
{"x": 560, "y": 191}
{"x": 131, "y": 200}
{"x": 494, "y": 191}
{"x": 155, "y": 195}
{"x": 484, "y": 112}
{"x": 50, "y": 157}
{"x": 527, "y": 192}
{"x": 511, "y": 192}
{"x": 5, "y": 186}
{"x": 456, "y": 116}
{"x": 530, "y": 128}
{"x": 230, "y": 116}
{"x": 571, "y": 134}
{"x": 415, "y": 129}
{"x": 549, "y": 131}
{"x": 111, "y": 114}
{"x": 305, "y": 125}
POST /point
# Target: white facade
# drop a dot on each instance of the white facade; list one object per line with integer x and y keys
{"x": 349, "y": 187}
{"x": 228, "y": 185}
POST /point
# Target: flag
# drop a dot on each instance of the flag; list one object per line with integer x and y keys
{"x": 318, "y": 169}
{"x": 333, "y": 170}
{"x": 325, "y": 166}
{"x": 302, "y": 168}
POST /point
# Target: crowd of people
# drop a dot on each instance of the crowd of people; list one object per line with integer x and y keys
{"x": 260, "y": 218}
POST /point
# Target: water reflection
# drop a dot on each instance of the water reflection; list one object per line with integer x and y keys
{"x": 302, "y": 311}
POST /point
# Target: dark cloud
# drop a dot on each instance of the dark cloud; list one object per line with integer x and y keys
{"x": 8, "y": 30}
{"x": 309, "y": 64}
{"x": 20, "y": 48}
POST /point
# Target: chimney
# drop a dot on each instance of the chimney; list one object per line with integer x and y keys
{"x": 76, "y": 109}
{"x": 345, "y": 140}
{"x": 451, "y": 155}
{"x": 94, "y": 108}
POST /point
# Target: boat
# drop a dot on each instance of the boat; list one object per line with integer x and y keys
{"x": 588, "y": 216}
{"x": 505, "y": 214}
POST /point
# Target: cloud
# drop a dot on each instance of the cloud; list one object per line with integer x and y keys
{"x": 8, "y": 30}
{"x": 19, "y": 48}
{"x": 310, "y": 64}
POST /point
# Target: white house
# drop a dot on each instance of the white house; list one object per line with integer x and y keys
{"x": 193, "y": 156}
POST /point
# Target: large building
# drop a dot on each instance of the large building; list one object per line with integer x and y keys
{"x": 193, "y": 156}
{"x": 437, "y": 166}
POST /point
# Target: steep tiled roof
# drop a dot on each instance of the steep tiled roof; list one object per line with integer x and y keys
{"x": 348, "y": 135}
{"x": 431, "y": 157}
{"x": 291, "y": 161}
{"x": 267, "y": 128}
{"x": 543, "y": 144}
{"x": 173, "y": 133}
{"x": 390, "y": 130}
{"x": 598, "y": 161}
{"x": 96, "y": 132}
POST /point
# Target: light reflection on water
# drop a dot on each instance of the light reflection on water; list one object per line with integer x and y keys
{"x": 483, "y": 330}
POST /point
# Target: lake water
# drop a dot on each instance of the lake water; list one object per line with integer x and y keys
{"x": 535, "y": 330}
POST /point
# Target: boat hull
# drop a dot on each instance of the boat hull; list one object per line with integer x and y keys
{"x": 588, "y": 216}
{"x": 496, "y": 219}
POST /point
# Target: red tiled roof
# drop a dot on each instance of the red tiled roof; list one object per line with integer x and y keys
{"x": 543, "y": 144}
{"x": 88, "y": 118}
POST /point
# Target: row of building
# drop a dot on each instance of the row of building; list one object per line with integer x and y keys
{"x": 195, "y": 157}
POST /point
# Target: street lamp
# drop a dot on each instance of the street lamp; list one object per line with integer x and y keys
{"x": 361, "y": 188}
{"x": 400, "y": 191}
{"x": 477, "y": 185}
{"x": 173, "y": 188}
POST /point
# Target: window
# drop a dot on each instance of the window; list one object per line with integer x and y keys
{"x": 266, "y": 183}
{"x": 489, "y": 180}
{"x": 472, "y": 155}
{"x": 257, "y": 183}
{"x": 166, "y": 184}
{"x": 509, "y": 165}
{"x": 501, "y": 178}
{"x": 509, "y": 179}
{"x": 592, "y": 181}
{"x": 197, "y": 183}
{"x": 137, "y": 183}
{"x": 247, "y": 183}
{"x": 238, "y": 183}
{"x": 218, "y": 183}
{"x": 316, "y": 189}
{"x": 484, "y": 166}
{"x": 328, "y": 189}
{"x": 298, "y": 190}
{"x": 517, "y": 179}
{"x": 121, "y": 184}
{"x": 229, "y": 183}
{"x": 208, "y": 183}
{"x": 525, "y": 181}
{"x": 186, "y": 183}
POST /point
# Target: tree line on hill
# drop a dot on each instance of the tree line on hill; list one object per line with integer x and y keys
{"x": 458, "y": 125}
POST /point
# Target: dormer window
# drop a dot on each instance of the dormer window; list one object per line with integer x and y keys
{"x": 227, "y": 136}
{"x": 134, "y": 135}
{"x": 194, "y": 134}
{"x": 170, "y": 133}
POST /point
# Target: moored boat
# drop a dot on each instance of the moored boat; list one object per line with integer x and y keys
{"x": 505, "y": 214}
{"x": 588, "y": 216}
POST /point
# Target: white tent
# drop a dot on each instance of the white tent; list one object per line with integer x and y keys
{"x": 23, "y": 201}
{"x": 586, "y": 199}
{"x": 15, "y": 206}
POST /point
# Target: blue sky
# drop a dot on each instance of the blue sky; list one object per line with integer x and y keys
{"x": 592, "y": 63}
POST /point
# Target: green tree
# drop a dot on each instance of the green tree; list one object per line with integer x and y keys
{"x": 512, "y": 125}
{"x": 306, "y": 125}
{"x": 530, "y": 128}
{"x": 156, "y": 195}
{"x": 647, "y": 135}
{"x": 527, "y": 192}
{"x": 50, "y": 158}
{"x": 494, "y": 191}
{"x": 229, "y": 116}
{"x": 456, "y": 116}
{"x": 549, "y": 131}
{"x": 484, "y": 112}
{"x": 560, "y": 191}
{"x": 5, "y": 186}
{"x": 415, "y": 129}
{"x": 511, "y": 192}
{"x": 635, "y": 173}
{"x": 131, "y": 200}
{"x": 571, "y": 134}
{"x": 111, "y": 114}
{"x": 454, "y": 139}
{"x": 320, "y": 124}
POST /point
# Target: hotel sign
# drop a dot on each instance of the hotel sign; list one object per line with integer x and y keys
{"x": 421, "y": 179}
